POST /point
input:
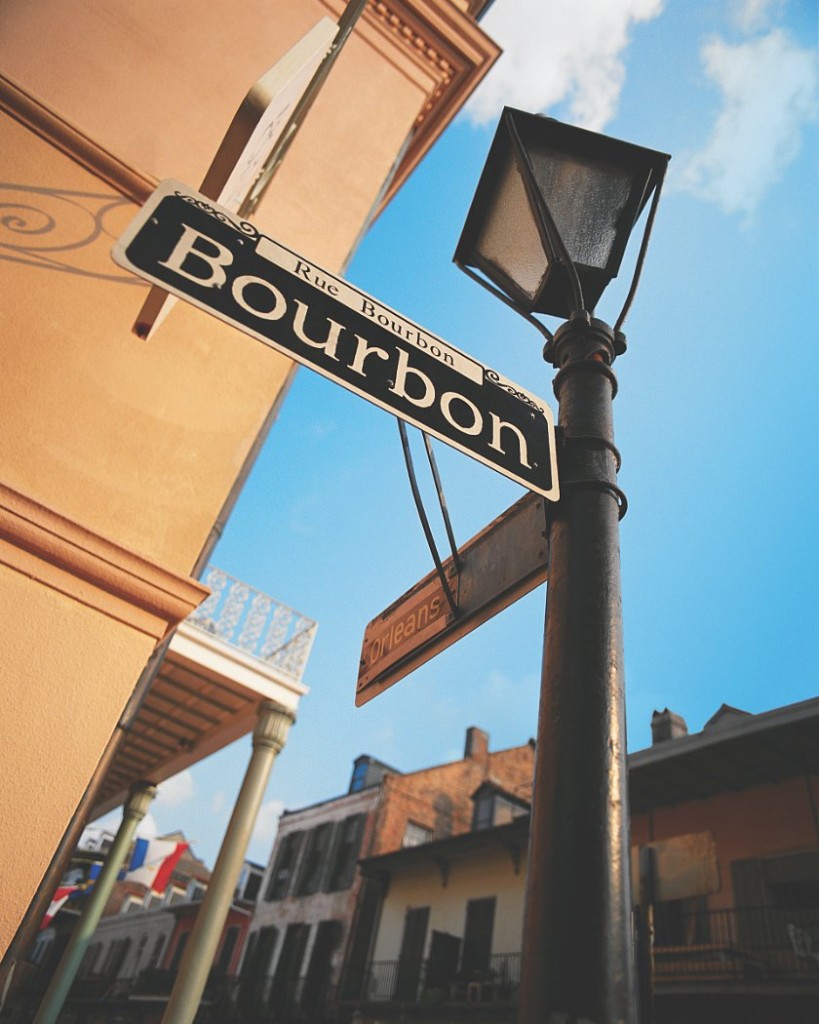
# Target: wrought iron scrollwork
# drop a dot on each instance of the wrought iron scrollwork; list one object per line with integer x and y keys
{"x": 67, "y": 231}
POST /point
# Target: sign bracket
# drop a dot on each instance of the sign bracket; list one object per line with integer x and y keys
{"x": 422, "y": 514}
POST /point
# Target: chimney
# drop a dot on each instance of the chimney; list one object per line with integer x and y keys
{"x": 665, "y": 725}
{"x": 477, "y": 744}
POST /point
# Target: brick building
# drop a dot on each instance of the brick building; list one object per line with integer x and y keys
{"x": 314, "y": 922}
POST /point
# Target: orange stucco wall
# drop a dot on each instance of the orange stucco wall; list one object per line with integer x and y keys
{"x": 133, "y": 439}
{"x": 52, "y": 736}
{"x": 757, "y": 822}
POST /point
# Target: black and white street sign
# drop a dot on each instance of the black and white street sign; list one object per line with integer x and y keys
{"x": 206, "y": 255}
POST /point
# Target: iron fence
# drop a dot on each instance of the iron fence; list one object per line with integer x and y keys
{"x": 255, "y": 623}
{"x": 426, "y": 981}
{"x": 754, "y": 944}
{"x": 757, "y": 945}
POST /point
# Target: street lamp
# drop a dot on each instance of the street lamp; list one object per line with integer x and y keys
{"x": 546, "y": 233}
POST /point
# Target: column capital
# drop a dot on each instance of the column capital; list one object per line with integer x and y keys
{"x": 272, "y": 725}
{"x": 139, "y": 800}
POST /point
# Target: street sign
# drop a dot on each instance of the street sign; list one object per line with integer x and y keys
{"x": 682, "y": 866}
{"x": 503, "y": 562}
{"x": 207, "y": 255}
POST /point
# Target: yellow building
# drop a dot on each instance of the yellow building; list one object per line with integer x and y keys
{"x": 120, "y": 458}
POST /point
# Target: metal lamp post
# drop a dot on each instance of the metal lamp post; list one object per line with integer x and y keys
{"x": 546, "y": 233}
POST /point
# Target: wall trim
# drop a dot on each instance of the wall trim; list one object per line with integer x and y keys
{"x": 40, "y": 119}
{"x": 86, "y": 567}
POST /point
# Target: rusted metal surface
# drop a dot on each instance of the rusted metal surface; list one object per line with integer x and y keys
{"x": 683, "y": 866}
{"x": 498, "y": 565}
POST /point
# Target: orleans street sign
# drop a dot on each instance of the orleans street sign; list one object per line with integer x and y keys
{"x": 503, "y": 562}
{"x": 205, "y": 254}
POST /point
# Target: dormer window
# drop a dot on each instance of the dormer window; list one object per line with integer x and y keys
{"x": 416, "y": 835}
{"x": 492, "y": 806}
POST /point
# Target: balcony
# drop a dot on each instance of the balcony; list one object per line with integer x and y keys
{"x": 238, "y": 648}
{"x": 425, "y": 981}
{"x": 763, "y": 949}
{"x": 747, "y": 946}
{"x": 255, "y": 623}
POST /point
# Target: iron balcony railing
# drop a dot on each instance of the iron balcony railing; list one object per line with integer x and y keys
{"x": 761, "y": 945}
{"x": 255, "y": 623}
{"x": 410, "y": 981}
{"x": 754, "y": 944}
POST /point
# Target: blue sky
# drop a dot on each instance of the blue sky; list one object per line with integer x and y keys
{"x": 717, "y": 416}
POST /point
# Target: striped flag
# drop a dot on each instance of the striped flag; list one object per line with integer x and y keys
{"x": 153, "y": 861}
{"x": 61, "y": 895}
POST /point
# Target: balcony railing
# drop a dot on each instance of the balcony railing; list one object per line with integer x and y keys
{"x": 255, "y": 623}
{"x": 726, "y": 947}
{"x": 754, "y": 944}
{"x": 410, "y": 981}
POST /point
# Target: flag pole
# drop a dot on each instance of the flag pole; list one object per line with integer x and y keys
{"x": 139, "y": 800}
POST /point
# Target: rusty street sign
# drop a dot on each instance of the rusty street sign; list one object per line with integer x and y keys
{"x": 500, "y": 564}
{"x": 683, "y": 866}
{"x": 204, "y": 253}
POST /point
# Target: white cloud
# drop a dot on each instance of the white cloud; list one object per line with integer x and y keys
{"x": 754, "y": 15}
{"x": 264, "y": 833}
{"x": 560, "y": 51}
{"x": 148, "y": 827}
{"x": 177, "y": 790}
{"x": 768, "y": 88}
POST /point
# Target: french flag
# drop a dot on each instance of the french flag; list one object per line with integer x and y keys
{"x": 153, "y": 861}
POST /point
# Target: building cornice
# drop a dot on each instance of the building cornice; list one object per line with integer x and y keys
{"x": 456, "y": 54}
{"x": 98, "y": 573}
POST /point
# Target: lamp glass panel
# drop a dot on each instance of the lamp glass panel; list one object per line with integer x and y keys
{"x": 508, "y": 238}
{"x": 586, "y": 198}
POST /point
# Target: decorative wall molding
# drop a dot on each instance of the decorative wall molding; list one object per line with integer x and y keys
{"x": 454, "y": 52}
{"x": 40, "y": 119}
{"x": 86, "y": 567}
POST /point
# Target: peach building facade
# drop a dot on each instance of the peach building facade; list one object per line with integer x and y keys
{"x": 119, "y": 457}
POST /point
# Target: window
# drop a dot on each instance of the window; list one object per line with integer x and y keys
{"x": 195, "y": 891}
{"x": 347, "y": 848}
{"x": 182, "y": 941}
{"x": 415, "y": 834}
{"x": 255, "y": 969}
{"x": 252, "y": 886}
{"x": 317, "y": 987}
{"x": 288, "y": 968}
{"x": 314, "y": 859}
{"x": 88, "y": 961}
{"x": 477, "y": 948}
{"x": 116, "y": 957}
{"x": 359, "y": 775}
{"x": 143, "y": 941}
{"x": 484, "y": 812}
{"x": 493, "y": 808}
{"x": 227, "y": 950}
{"x": 410, "y": 959}
{"x": 156, "y": 952}
{"x": 284, "y": 866}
